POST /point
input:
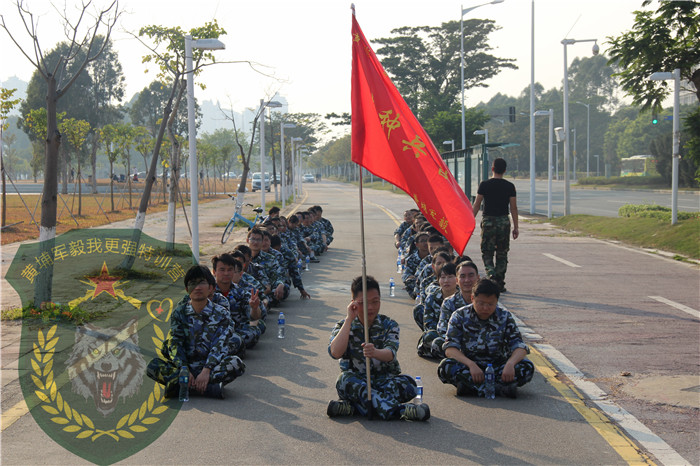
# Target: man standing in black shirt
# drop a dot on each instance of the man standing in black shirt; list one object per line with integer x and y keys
{"x": 497, "y": 195}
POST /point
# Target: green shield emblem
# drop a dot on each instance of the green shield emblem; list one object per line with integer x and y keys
{"x": 84, "y": 354}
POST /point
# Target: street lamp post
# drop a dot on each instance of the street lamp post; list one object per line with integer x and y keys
{"x": 588, "y": 137}
{"x": 596, "y": 49}
{"x": 573, "y": 130}
{"x": 461, "y": 60}
{"x": 597, "y": 164}
{"x": 676, "y": 155}
{"x": 549, "y": 113}
{"x": 451, "y": 142}
{"x": 485, "y": 132}
{"x": 263, "y": 105}
{"x": 294, "y": 166}
{"x": 202, "y": 44}
{"x": 283, "y": 176}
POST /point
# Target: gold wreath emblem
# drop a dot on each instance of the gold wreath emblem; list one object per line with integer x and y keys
{"x": 75, "y": 422}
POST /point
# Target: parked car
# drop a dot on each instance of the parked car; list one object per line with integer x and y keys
{"x": 309, "y": 178}
{"x": 257, "y": 182}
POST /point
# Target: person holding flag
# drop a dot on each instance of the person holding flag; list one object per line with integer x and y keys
{"x": 391, "y": 391}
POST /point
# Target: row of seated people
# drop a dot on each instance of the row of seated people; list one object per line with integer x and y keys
{"x": 223, "y": 313}
{"x": 464, "y": 333}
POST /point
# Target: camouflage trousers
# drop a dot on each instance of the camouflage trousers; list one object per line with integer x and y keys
{"x": 250, "y": 334}
{"x": 430, "y": 344}
{"x": 418, "y": 315}
{"x": 410, "y": 285}
{"x": 453, "y": 372}
{"x": 166, "y": 371}
{"x": 388, "y": 393}
{"x": 495, "y": 239}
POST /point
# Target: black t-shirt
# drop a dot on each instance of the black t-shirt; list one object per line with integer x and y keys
{"x": 497, "y": 193}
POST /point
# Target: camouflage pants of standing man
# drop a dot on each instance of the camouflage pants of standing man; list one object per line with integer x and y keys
{"x": 454, "y": 372}
{"x": 389, "y": 393}
{"x": 495, "y": 239}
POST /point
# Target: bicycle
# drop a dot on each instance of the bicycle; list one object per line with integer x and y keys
{"x": 237, "y": 217}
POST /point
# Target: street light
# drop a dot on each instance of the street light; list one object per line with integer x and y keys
{"x": 294, "y": 167}
{"x": 263, "y": 105}
{"x": 284, "y": 177}
{"x": 676, "y": 155}
{"x": 549, "y": 113}
{"x": 461, "y": 60}
{"x": 588, "y": 137}
{"x": 485, "y": 132}
{"x": 201, "y": 44}
{"x": 452, "y": 142}
{"x": 595, "y": 50}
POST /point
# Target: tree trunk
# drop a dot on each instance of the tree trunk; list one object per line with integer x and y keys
{"x": 172, "y": 198}
{"x": 43, "y": 285}
{"x": 128, "y": 174}
{"x": 4, "y": 188}
{"x": 80, "y": 191}
{"x": 111, "y": 183}
{"x": 93, "y": 161}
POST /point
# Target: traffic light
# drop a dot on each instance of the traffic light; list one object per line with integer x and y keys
{"x": 654, "y": 119}
{"x": 511, "y": 114}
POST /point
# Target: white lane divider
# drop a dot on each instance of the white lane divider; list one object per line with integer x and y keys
{"x": 680, "y": 307}
{"x": 559, "y": 259}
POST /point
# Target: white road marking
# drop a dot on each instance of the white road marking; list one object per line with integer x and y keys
{"x": 638, "y": 431}
{"x": 680, "y": 307}
{"x": 559, "y": 259}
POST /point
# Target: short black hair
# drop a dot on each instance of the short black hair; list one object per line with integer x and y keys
{"x": 275, "y": 241}
{"x": 293, "y": 219}
{"x": 224, "y": 258}
{"x": 463, "y": 264}
{"x": 499, "y": 165}
{"x": 273, "y": 210}
{"x": 244, "y": 249}
{"x": 255, "y": 231}
{"x": 486, "y": 287}
{"x": 197, "y": 273}
{"x": 356, "y": 286}
{"x": 450, "y": 269}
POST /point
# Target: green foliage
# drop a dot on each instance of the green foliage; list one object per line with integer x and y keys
{"x": 663, "y": 40}
{"x": 653, "y": 211}
{"x": 424, "y": 63}
{"x": 692, "y": 146}
{"x": 55, "y": 312}
{"x": 636, "y": 181}
{"x": 7, "y": 103}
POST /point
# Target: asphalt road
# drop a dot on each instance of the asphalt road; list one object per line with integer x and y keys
{"x": 599, "y": 315}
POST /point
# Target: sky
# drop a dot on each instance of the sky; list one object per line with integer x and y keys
{"x": 306, "y": 44}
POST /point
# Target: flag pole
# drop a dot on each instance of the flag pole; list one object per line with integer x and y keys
{"x": 364, "y": 284}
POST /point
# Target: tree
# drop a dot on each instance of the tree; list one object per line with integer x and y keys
{"x": 109, "y": 135}
{"x": 7, "y": 103}
{"x": 59, "y": 78}
{"x": 663, "y": 40}
{"x": 424, "y": 63}
{"x": 76, "y": 131}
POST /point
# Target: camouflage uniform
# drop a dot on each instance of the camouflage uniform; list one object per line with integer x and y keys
{"x": 197, "y": 340}
{"x": 237, "y": 299}
{"x": 282, "y": 269}
{"x": 249, "y": 282}
{"x": 236, "y": 342}
{"x": 328, "y": 228}
{"x": 449, "y": 306}
{"x": 491, "y": 341}
{"x": 271, "y": 269}
{"x": 409, "y": 273}
{"x": 429, "y": 319}
{"x": 495, "y": 238}
{"x": 406, "y": 241}
{"x": 390, "y": 389}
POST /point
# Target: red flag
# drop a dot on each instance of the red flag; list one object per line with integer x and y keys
{"x": 388, "y": 141}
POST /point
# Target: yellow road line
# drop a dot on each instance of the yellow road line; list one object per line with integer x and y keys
{"x": 13, "y": 414}
{"x": 386, "y": 211}
{"x": 616, "y": 438}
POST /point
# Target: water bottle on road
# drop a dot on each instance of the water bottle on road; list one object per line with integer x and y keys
{"x": 184, "y": 383}
{"x": 280, "y": 325}
{"x": 392, "y": 287}
{"x": 489, "y": 383}
{"x": 307, "y": 263}
{"x": 419, "y": 390}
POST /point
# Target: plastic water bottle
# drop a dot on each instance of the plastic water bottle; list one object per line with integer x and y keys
{"x": 392, "y": 287}
{"x": 489, "y": 383}
{"x": 184, "y": 383}
{"x": 398, "y": 264}
{"x": 299, "y": 266}
{"x": 418, "y": 300}
{"x": 280, "y": 325}
{"x": 419, "y": 390}
{"x": 307, "y": 263}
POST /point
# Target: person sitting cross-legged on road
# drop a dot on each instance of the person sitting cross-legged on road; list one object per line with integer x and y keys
{"x": 483, "y": 333}
{"x": 447, "y": 286}
{"x": 199, "y": 340}
{"x": 391, "y": 391}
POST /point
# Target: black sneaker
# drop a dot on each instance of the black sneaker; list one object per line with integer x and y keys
{"x": 214, "y": 390}
{"x": 314, "y": 260}
{"x": 507, "y": 390}
{"x": 412, "y": 412}
{"x": 465, "y": 390}
{"x": 338, "y": 408}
